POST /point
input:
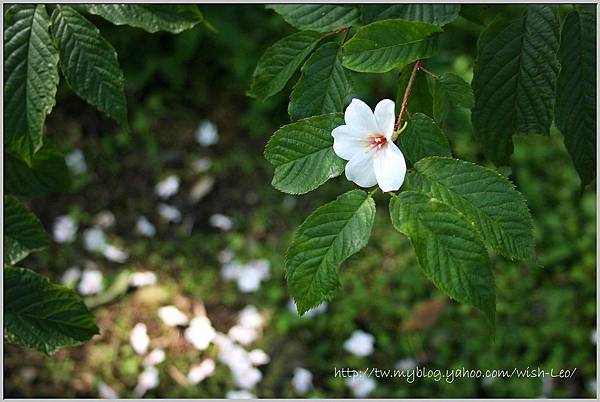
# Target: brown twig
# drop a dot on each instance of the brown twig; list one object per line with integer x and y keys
{"x": 407, "y": 92}
{"x": 426, "y": 71}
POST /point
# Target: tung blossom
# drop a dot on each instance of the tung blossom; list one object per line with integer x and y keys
{"x": 366, "y": 142}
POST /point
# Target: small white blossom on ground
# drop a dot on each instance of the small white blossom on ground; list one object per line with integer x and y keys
{"x": 361, "y": 386}
{"x": 250, "y": 317}
{"x": 360, "y": 344}
{"x": 115, "y": 254}
{"x": 139, "y": 338}
{"x": 201, "y": 371}
{"x": 207, "y": 133}
{"x": 141, "y": 279}
{"x": 221, "y": 221}
{"x": 71, "y": 276}
{"x": 169, "y": 213}
{"x": 592, "y": 387}
{"x": 91, "y": 282}
{"x": 240, "y": 394}
{"x": 153, "y": 358}
{"x": 248, "y": 276}
{"x": 106, "y": 392}
{"x": 321, "y": 308}
{"x": 408, "y": 363}
{"x": 365, "y": 141}
{"x": 488, "y": 381}
{"x": 226, "y": 255}
{"x": 147, "y": 380}
{"x": 243, "y": 335}
{"x": 64, "y": 229}
{"x": 94, "y": 240}
{"x": 258, "y": 357}
{"x": 75, "y": 161}
{"x": 594, "y": 337}
{"x": 302, "y": 380}
{"x": 167, "y": 187}
{"x": 104, "y": 219}
{"x": 172, "y": 316}
{"x": 200, "y": 333}
{"x": 201, "y": 165}
{"x": 144, "y": 227}
{"x": 201, "y": 188}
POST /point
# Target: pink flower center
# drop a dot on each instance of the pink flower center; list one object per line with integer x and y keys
{"x": 376, "y": 141}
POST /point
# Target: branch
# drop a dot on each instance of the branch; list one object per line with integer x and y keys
{"x": 407, "y": 92}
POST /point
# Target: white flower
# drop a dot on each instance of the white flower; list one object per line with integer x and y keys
{"x": 71, "y": 276}
{"x": 139, "y": 338}
{"x": 106, "y": 392}
{"x": 167, "y": 187}
{"x": 240, "y": 394}
{"x": 169, "y": 213}
{"x": 200, "y": 371}
{"x": 221, "y": 221}
{"x": 258, "y": 357}
{"x": 360, "y": 343}
{"x": 94, "y": 239}
{"x": 321, "y": 308}
{"x": 91, "y": 282}
{"x": 250, "y": 317}
{"x": 302, "y": 380}
{"x": 207, "y": 133}
{"x": 248, "y": 276}
{"x": 200, "y": 333}
{"x": 155, "y": 357}
{"x": 243, "y": 335}
{"x": 141, "y": 279}
{"x": 201, "y": 165}
{"x": 147, "y": 380}
{"x": 247, "y": 378}
{"x": 408, "y": 363}
{"x": 144, "y": 227}
{"x": 75, "y": 161}
{"x": 360, "y": 386}
{"x": 104, "y": 219}
{"x": 172, "y": 316}
{"x": 115, "y": 254}
{"x": 64, "y": 229}
{"x": 365, "y": 141}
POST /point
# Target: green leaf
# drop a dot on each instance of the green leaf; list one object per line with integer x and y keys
{"x": 48, "y": 174}
{"x": 423, "y": 138}
{"x": 330, "y": 235}
{"x": 280, "y": 61}
{"x": 438, "y": 14}
{"x": 384, "y": 45}
{"x": 486, "y": 198}
{"x": 89, "y": 63}
{"x": 576, "y": 92}
{"x": 421, "y": 99}
{"x": 478, "y": 13}
{"x": 302, "y": 153}
{"x": 30, "y": 78}
{"x": 318, "y": 17}
{"x": 150, "y": 17}
{"x": 322, "y": 87}
{"x": 514, "y": 80}
{"x": 448, "y": 249}
{"x": 450, "y": 90}
{"x": 42, "y": 315}
{"x": 23, "y": 232}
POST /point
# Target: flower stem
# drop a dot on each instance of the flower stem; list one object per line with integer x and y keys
{"x": 407, "y": 92}
{"x": 426, "y": 71}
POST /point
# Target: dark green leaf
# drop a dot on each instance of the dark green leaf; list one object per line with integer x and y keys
{"x": 89, "y": 63}
{"x": 23, "y": 232}
{"x": 280, "y": 61}
{"x": 30, "y": 78}
{"x": 423, "y": 138}
{"x": 438, "y": 14}
{"x": 322, "y": 87}
{"x": 448, "y": 249}
{"x": 514, "y": 80}
{"x": 41, "y": 315}
{"x": 485, "y": 197}
{"x": 450, "y": 90}
{"x": 576, "y": 92}
{"x": 330, "y": 235}
{"x": 48, "y": 174}
{"x": 302, "y": 153}
{"x": 318, "y": 17}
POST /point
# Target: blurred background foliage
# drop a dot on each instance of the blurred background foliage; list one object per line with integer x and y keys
{"x": 546, "y": 306}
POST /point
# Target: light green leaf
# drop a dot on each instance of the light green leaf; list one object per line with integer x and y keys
{"x": 421, "y": 99}
{"x": 42, "y": 315}
{"x": 30, "y": 78}
{"x": 384, "y": 45}
{"x": 48, "y": 173}
{"x": 302, "y": 153}
{"x": 330, "y": 235}
{"x": 280, "y": 61}
{"x": 318, "y": 17}
{"x": 438, "y": 14}
{"x": 322, "y": 87}
{"x": 514, "y": 80}
{"x": 23, "y": 232}
{"x": 576, "y": 92}
{"x": 423, "y": 138}
{"x": 448, "y": 249}
{"x": 89, "y": 63}
{"x": 485, "y": 197}
{"x": 150, "y": 17}
{"x": 450, "y": 90}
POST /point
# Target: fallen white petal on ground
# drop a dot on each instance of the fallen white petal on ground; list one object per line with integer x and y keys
{"x": 141, "y": 279}
{"x": 200, "y": 333}
{"x": 167, "y": 187}
{"x": 64, "y": 229}
{"x": 302, "y": 380}
{"x": 71, "y": 276}
{"x": 154, "y": 358}
{"x": 172, "y": 316}
{"x": 201, "y": 371}
{"x": 144, "y": 227}
{"x": 91, "y": 282}
{"x": 139, "y": 338}
{"x": 360, "y": 344}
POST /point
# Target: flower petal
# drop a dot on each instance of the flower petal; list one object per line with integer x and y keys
{"x": 385, "y": 114}
{"x": 360, "y": 117}
{"x": 389, "y": 167}
{"x": 347, "y": 142}
{"x": 360, "y": 169}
